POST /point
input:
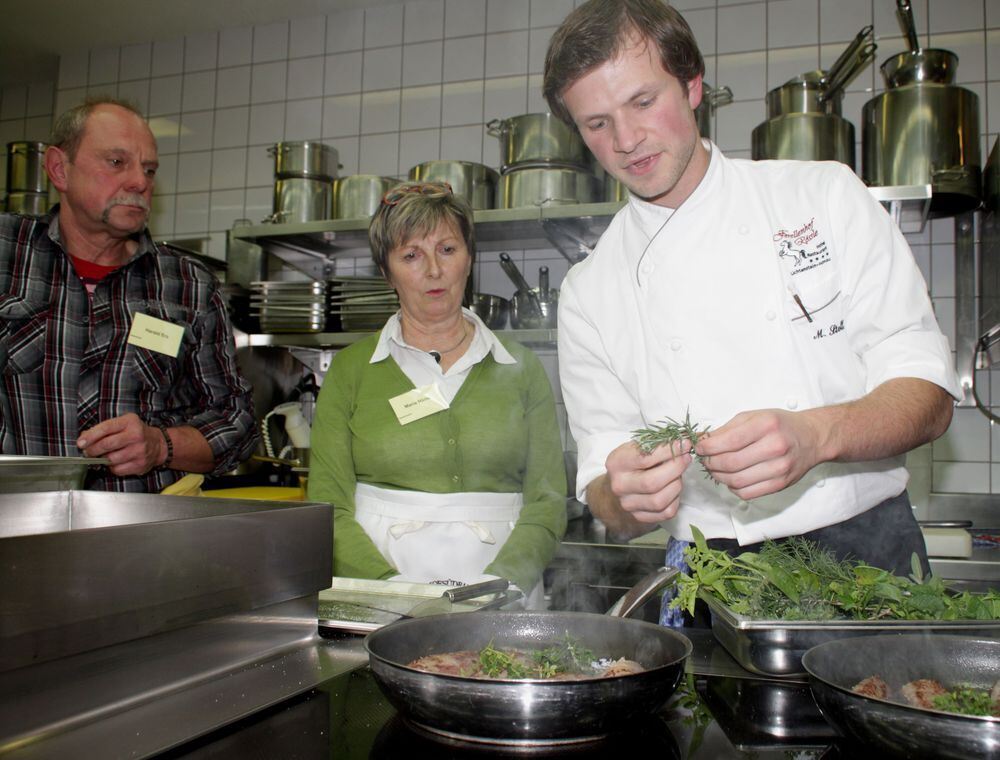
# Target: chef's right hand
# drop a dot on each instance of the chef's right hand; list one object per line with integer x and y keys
{"x": 646, "y": 487}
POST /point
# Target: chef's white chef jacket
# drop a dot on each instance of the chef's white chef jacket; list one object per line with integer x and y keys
{"x": 695, "y": 314}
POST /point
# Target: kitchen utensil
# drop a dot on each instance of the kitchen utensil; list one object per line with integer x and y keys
{"x": 304, "y": 159}
{"x": 711, "y": 99}
{"x": 530, "y": 311}
{"x": 475, "y": 182}
{"x": 29, "y": 204}
{"x": 510, "y": 269}
{"x": 525, "y": 301}
{"x": 905, "y": 13}
{"x": 30, "y": 474}
{"x": 446, "y": 602}
{"x": 537, "y": 138}
{"x": 923, "y": 130}
{"x": 804, "y": 114}
{"x": 535, "y": 185}
{"x": 528, "y": 712}
{"x": 26, "y": 167}
{"x": 301, "y": 199}
{"x": 917, "y": 65}
{"x": 775, "y": 647}
{"x": 898, "y": 729}
{"x": 543, "y": 281}
{"x": 493, "y": 310}
{"x": 358, "y": 196}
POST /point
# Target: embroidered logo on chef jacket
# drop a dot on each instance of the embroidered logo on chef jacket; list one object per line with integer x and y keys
{"x": 801, "y": 247}
{"x": 812, "y": 286}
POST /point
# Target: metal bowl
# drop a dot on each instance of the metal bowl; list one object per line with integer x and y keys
{"x": 491, "y": 309}
{"x": 27, "y": 474}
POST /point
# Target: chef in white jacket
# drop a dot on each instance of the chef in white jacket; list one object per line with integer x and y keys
{"x": 775, "y": 302}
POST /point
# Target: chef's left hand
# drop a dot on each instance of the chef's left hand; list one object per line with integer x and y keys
{"x": 133, "y": 447}
{"x": 761, "y": 452}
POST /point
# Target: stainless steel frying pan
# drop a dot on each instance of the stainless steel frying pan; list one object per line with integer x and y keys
{"x": 527, "y": 711}
{"x": 898, "y": 729}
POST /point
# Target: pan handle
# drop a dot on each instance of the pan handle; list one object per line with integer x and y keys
{"x": 643, "y": 590}
{"x": 905, "y": 11}
{"x": 471, "y": 591}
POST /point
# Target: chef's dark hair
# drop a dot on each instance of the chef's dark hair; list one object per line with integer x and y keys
{"x": 417, "y": 208}
{"x": 599, "y": 30}
{"x": 68, "y": 130}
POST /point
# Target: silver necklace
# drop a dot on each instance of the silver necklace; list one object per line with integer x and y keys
{"x": 438, "y": 354}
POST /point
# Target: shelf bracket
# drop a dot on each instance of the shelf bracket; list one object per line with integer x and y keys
{"x": 570, "y": 236}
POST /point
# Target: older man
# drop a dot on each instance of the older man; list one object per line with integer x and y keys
{"x": 109, "y": 345}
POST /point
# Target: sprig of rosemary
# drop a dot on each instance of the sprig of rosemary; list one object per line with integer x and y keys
{"x": 668, "y": 432}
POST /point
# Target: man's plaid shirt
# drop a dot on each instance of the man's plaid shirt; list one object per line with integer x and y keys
{"x": 66, "y": 364}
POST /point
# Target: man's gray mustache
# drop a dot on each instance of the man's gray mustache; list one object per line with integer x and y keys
{"x": 124, "y": 200}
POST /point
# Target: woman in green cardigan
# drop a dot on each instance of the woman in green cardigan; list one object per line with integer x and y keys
{"x": 435, "y": 440}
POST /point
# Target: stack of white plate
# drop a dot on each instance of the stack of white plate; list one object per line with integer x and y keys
{"x": 361, "y": 303}
{"x": 289, "y": 307}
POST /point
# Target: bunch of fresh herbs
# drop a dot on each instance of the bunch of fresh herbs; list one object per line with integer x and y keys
{"x": 797, "y": 579}
{"x": 668, "y": 432}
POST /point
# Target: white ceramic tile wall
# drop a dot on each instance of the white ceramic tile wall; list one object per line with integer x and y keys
{"x": 394, "y": 85}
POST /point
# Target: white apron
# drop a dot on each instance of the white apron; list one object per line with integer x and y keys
{"x": 431, "y": 536}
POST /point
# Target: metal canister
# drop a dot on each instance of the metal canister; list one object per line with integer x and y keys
{"x": 29, "y": 204}
{"x": 475, "y": 182}
{"x": 358, "y": 196}
{"x": 302, "y": 199}
{"x": 535, "y": 138}
{"x": 924, "y": 134}
{"x": 306, "y": 158}
{"x": 548, "y": 186}
{"x": 26, "y": 167}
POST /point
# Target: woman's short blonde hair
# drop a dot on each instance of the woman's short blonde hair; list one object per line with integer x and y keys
{"x": 417, "y": 208}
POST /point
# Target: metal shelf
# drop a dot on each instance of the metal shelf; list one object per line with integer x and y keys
{"x": 340, "y": 340}
{"x": 908, "y": 205}
{"x": 311, "y": 247}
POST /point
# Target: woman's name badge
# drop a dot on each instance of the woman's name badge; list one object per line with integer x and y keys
{"x": 156, "y": 334}
{"x": 419, "y": 403}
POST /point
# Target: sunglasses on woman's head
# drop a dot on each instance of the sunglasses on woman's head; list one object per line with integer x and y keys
{"x": 430, "y": 189}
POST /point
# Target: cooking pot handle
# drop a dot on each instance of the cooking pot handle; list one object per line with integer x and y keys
{"x": 906, "y": 15}
{"x": 643, "y": 590}
{"x": 719, "y": 96}
{"x": 496, "y": 127}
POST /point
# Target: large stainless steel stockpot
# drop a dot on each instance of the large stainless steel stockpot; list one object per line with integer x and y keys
{"x": 26, "y": 167}
{"x": 538, "y": 138}
{"x": 923, "y": 130}
{"x": 29, "y": 204}
{"x": 804, "y": 114}
{"x": 304, "y": 159}
{"x": 302, "y": 199}
{"x": 924, "y": 134}
{"x": 548, "y": 186}
{"x": 805, "y": 136}
{"x": 358, "y": 196}
{"x": 476, "y": 182}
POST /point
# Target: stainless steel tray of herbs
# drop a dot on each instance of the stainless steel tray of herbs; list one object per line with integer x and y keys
{"x": 775, "y": 647}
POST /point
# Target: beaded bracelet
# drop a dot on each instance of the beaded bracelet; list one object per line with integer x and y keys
{"x": 170, "y": 446}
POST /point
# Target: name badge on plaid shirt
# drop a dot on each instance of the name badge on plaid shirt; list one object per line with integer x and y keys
{"x": 156, "y": 334}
